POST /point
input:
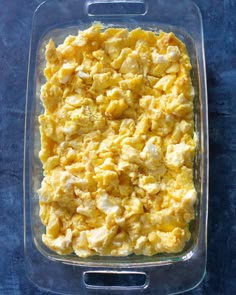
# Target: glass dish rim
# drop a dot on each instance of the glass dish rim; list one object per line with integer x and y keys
{"x": 205, "y": 146}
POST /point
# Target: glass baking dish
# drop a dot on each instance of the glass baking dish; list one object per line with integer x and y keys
{"x": 162, "y": 273}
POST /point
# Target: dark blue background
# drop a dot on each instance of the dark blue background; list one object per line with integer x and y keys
{"x": 220, "y": 35}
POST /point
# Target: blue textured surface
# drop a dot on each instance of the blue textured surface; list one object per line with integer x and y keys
{"x": 220, "y": 36}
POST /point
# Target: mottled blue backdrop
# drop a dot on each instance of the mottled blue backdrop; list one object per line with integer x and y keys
{"x": 220, "y": 35}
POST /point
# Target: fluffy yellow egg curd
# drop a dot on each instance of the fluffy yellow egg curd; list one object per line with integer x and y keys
{"x": 117, "y": 144}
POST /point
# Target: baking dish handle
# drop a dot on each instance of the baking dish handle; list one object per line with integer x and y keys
{"x": 115, "y": 280}
{"x": 115, "y": 7}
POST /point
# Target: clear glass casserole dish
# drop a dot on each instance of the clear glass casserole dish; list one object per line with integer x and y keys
{"x": 69, "y": 274}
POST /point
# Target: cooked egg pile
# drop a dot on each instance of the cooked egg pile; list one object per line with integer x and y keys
{"x": 117, "y": 144}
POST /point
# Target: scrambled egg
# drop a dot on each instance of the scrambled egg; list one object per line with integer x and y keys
{"x": 117, "y": 144}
